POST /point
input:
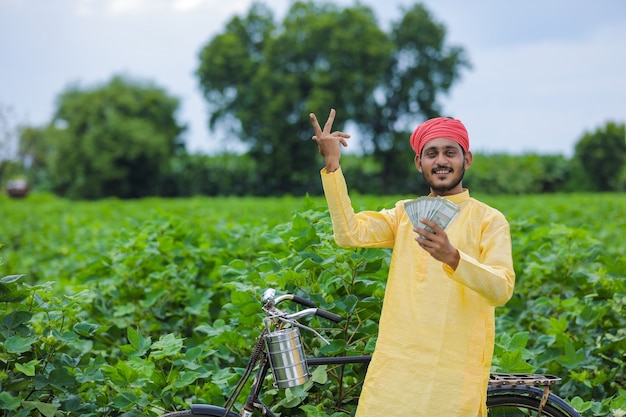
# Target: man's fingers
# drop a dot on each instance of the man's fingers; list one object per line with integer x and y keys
{"x": 433, "y": 225}
{"x": 330, "y": 121}
{"x": 327, "y": 127}
{"x": 326, "y": 133}
{"x": 316, "y": 126}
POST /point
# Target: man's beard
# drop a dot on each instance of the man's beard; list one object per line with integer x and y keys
{"x": 441, "y": 188}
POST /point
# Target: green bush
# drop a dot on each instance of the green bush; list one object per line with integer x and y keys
{"x": 162, "y": 311}
{"x": 46, "y": 347}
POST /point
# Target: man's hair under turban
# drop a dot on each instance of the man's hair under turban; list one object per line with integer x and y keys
{"x": 439, "y": 127}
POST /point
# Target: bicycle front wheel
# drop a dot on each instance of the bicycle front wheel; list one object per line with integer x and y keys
{"x": 523, "y": 400}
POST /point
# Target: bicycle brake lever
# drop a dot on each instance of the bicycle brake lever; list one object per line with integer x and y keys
{"x": 313, "y": 331}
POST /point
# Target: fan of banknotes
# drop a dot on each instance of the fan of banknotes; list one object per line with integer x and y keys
{"x": 437, "y": 209}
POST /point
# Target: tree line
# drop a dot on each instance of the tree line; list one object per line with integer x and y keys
{"x": 261, "y": 78}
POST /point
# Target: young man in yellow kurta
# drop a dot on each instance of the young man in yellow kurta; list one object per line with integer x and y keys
{"x": 436, "y": 332}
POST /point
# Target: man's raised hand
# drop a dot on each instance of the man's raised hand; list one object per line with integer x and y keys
{"x": 329, "y": 142}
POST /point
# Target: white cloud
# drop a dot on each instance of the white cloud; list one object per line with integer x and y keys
{"x": 542, "y": 96}
{"x": 142, "y": 7}
{"x": 122, "y": 7}
{"x": 86, "y": 7}
{"x": 537, "y": 84}
{"x": 187, "y": 5}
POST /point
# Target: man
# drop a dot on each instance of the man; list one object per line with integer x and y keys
{"x": 437, "y": 328}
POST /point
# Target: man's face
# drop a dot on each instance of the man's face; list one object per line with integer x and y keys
{"x": 442, "y": 164}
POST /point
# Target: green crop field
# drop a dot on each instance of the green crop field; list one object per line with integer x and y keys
{"x": 128, "y": 308}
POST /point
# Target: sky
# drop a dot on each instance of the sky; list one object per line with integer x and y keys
{"x": 544, "y": 72}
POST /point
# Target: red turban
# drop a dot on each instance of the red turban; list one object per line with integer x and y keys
{"x": 439, "y": 127}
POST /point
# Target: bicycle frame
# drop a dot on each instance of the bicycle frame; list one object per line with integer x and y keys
{"x": 519, "y": 383}
{"x": 516, "y": 385}
{"x": 253, "y": 401}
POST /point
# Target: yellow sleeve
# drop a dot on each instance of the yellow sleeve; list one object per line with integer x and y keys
{"x": 491, "y": 274}
{"x": 373, "y": 229}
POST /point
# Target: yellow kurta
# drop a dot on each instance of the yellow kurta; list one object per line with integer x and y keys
{"x": 436, "y": 334}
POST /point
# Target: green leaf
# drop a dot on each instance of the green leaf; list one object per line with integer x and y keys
{"x": 512, "y": 361}
{"x": 320, "y": 374}
{"x": 124, "y": 400}
{"x": 86, "y": 329}
{"x": 144, "y": 367}
{"x": 137, "y": 341}
{"x": 347, "y": 304}
{"x": 316, "y": 258}
{"x": 73, "y": 403}
{"x": 580, "y": 405}
{"x": 123, "y": 310}
{"x": 373, "y": 266}
{"x": 558, "y": 326}
{"x": 186, "y": 378}
{"x": 335, "y": 347}
{"x": 16, "y": 318}
{"x": 18, "y": 344}
{"x": 572, "y": 359}
{"x": 590, "y": 315}
{"x": 168, "y": 345}
{"x": 121, "y": 374}
{"x": 153, "y": 297}
{"x": 519, "y": 340}
{"x": 48, "y": 410}
{"x": 313, "y": 411}
{"x": 67, "y": 360}
{"x": 290, "y": 400}
{"x": 8, "y": 294}
{"x": 27, "y": 368}
{"x": 62, "y": 378}
{"x": 10, "y": 279}
{"x": 8, "y": 402}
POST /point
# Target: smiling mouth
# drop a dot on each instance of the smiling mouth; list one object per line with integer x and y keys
{"x": 442, "y": 171}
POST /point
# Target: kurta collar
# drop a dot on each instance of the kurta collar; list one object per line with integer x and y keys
{"x": 459, "y": 198}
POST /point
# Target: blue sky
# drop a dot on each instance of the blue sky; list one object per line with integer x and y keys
{"x": 544, "y": 72}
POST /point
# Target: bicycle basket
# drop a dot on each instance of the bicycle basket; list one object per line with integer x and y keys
{"x": 287, "y": 358}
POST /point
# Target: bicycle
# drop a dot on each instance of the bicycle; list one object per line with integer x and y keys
{"x": 279, "y": 349}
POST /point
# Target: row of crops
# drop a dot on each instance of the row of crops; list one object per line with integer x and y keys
{"x": 129, "y": 308}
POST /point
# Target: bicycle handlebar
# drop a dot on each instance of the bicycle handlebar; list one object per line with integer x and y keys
{"x": 303, "y": 301}
{"x": 328, "y": 315}
{"x": 319, "y": 311}
{"x": 269, "y": 300}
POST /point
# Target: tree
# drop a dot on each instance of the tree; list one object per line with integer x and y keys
{"x": 113, "y": 140}
{"x": 602, "y": 155}
{"x": 421, "y": 68}
{"x": 34, "y": 151}
{"x": 265, "y": 79}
